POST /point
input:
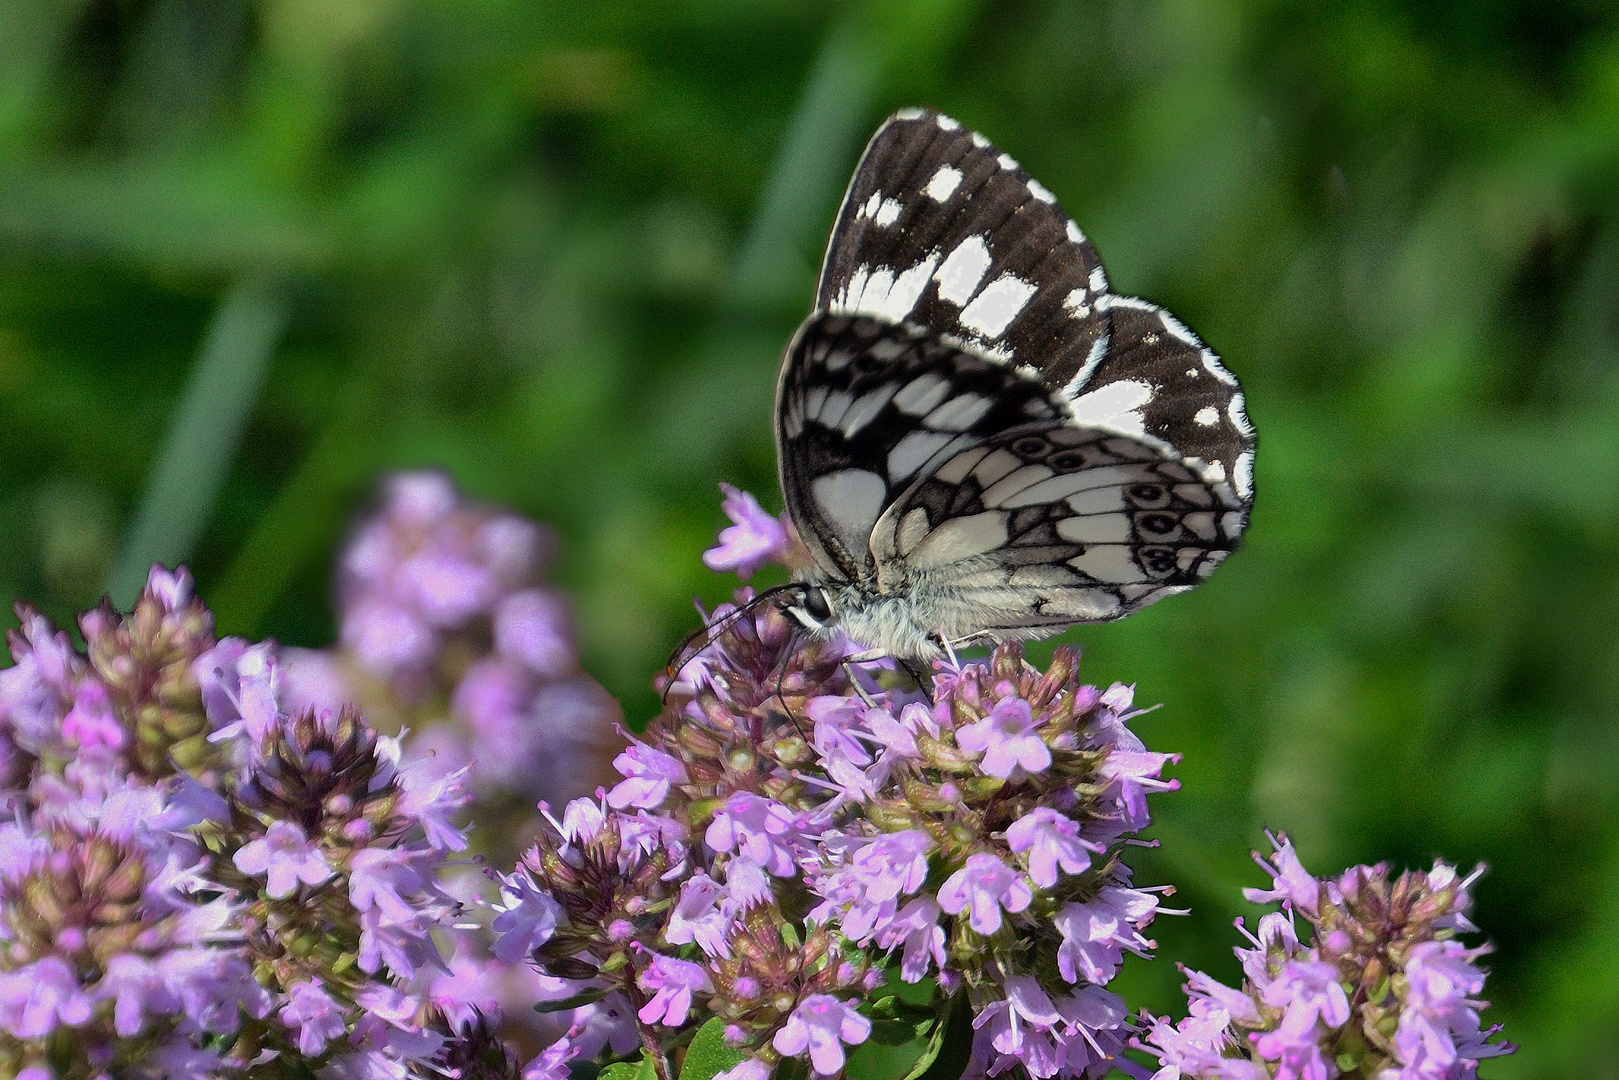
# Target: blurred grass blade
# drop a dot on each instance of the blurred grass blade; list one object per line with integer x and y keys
{"x": 810, "y": 168}
{"x": 196, "y": 454}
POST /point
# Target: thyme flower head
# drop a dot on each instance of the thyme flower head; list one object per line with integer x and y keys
{"x": 1379, "y": 986}
{"x": 797, "y": 830}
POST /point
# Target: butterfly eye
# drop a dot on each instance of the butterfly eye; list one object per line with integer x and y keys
{"x": 816, "y": 604}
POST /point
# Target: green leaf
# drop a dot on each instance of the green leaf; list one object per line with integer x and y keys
{"x": 584, "y": 998}
{"x": 709, "y": 1054}
{"x": 950, "y": 1046}
{"x": 640, "y": 1069}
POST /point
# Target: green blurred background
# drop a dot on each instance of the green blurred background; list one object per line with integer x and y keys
{"x": 255, "y": 252}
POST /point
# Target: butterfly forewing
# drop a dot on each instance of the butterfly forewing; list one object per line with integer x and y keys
{"x": 942, "y": 229}
{"x": 1158, "y": 382}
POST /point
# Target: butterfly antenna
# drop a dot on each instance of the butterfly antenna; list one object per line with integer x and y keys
{"x": 781, "y": 679}
{"x": 712, "y": 630}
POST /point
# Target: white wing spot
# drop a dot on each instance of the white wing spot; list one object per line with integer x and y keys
{"x": 914, "y": 451}
{"x": 1095, "y": 529}
{"x": 922, "y": 394}
{"x": 956, "y": 469}
{"x": 1207, "y": 415}
{"x": 1040, "y": 191}
{"x": 993, "y": 309}
{"x": 960, "y": 538}
{"x": 1243, "y": 475}
{"x": 837, "y": 403}
{"x": 865, "y": 409}
{"x": 1107, "y": 562}
{"x": 1102, "y": 500}
{"x": 992, "y": 467}
{"x": 944, "y": 183}
{"x": 869, "y": 207}
{"x": 851, "y": 499}
{"x": 963, "y": 269}
{"x": 1074, "y": 234}
{"x": 1239, "y": 416}
{"x": 910, "y": 112}
{"x": 880, "y": 293}
{"x": 813, "y": 402}
{"x": 886, "y": 348}
{"x": 1178, "y": 328}
{"x": 1078, "y": 302}
{"x": 959, "y": 413}
{"x": 948, "y": 124}
{"x": 1083, "y": 375}
{"x": 1085, "y": 605}
{"x": 1008, "y": 491}
{"x": 1114, "y": 407}
{"x": 887, "y": 212}
{"x": 912, "y": 528}
{"x": 1098, "y": 280}
{"x": 1008, "y": 162}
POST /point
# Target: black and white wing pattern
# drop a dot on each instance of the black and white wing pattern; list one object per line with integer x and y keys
{"x": 979, "y": 440}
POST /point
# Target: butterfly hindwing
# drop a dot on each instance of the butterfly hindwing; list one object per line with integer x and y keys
{"x": 865, "y": 407}
{"x": 1050, "y": 524}
{"x": 941, "y": 229}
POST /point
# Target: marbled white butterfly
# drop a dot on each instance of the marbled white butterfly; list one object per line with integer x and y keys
{"x": 977, "y": 440}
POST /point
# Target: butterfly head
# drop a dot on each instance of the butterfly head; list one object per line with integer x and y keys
{"x": 892, "y": 624}
{"x": 810, "y": 606}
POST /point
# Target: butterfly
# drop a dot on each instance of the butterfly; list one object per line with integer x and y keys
{"x": 977, "y": 440}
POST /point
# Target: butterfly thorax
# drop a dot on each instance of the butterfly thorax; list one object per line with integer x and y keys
{"x": 909, "y": 612}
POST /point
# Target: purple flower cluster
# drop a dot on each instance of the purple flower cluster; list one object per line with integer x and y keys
{"x": 445, "y": 622}
{"x": 979, "y": 840}
{"x": 195, "y": 882}
{"x": 782, "y": 838}
{"x": 1380, "y": 986}
{"x": 212, "y": 867}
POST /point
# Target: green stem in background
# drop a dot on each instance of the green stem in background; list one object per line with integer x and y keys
{"x": 201, "y": 442}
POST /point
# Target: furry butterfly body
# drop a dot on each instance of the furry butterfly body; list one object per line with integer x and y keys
{"x": 978, "y": 441}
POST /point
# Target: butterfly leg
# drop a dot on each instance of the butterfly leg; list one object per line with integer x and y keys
{"x": 854, "y": 681}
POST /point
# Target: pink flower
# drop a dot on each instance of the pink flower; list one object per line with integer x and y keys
{"x": 702, "y": 915}
{"x": 762, "y": 829}
{"x": 1291, "y": 881}
{"x": 315, "y": 1013}
{"x": 823, "y": 1025}
{"x": 1007, "y": 739}
{"x": 985, "y": 885}
{"x": 1051, "y": 840}
{"x": 755, "y": 539}
{"x": 673, "y": 983}
{"x": 648, "y": 774}
{"x": 286, "y": 857}
{"x": 36, "y": 998}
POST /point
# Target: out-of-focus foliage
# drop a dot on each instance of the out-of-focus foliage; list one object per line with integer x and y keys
{"x": 556, "y": 247}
